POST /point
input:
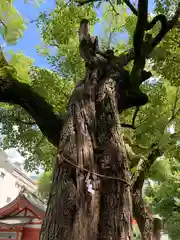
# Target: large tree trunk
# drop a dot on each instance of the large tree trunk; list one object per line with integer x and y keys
{"x": 91, "y": 150}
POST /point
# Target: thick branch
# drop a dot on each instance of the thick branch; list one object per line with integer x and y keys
{"x": 134, "y": 116}
{"x": 171, "y": 23}
{"x": 81, "y": 3}
{"x": 131, "y": 7}
{"x": 148, "y": 227}
{"x": 14, "y": 92}
{"x": 138, "y": 41}
{"x": 138, "y": 179}
{"x": 129, "y": 55}
{"x": 127, "y": 2}
{"x": 1, "y": 22}
{"x": 144, "y": 220}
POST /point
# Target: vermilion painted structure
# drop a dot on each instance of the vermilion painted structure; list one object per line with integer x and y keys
{"x": 22, "y": 218}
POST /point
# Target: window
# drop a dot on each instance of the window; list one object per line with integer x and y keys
{"x": 2, "y": 174}
{"x": 8, "y": 200}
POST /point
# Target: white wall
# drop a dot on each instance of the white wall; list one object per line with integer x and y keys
{"x": 24, "y": 180}
{"x": 12, "y": 181}
{"x": 7, "y": 188}
{"x": 4, "y": 162}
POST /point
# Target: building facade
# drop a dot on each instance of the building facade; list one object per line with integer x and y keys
{"x": 12, "y": 180}
{"x": 22, "y": 218}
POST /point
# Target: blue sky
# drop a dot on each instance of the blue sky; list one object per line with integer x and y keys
{"x": 31, "y": 36}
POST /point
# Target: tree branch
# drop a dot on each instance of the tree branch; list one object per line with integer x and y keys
{"x": 113, "y": 8}
{"x": 142, "y": 25}
{"x": 15, "y": 92}
{"x": 147, "y": 225}
{"x": 131, "y": 7}
{"x": 139, "y": 177}
{"x": 135, "y": 115}
{"x": 170, "y": 24}
{"x": 132, "y": 126}
{"x": 127, "y": 2}
{"x": 174, "y": 106}
{"x": 138, "y": 41}
{"x": 143, "y": 218}
{"x": 126, "y": 57}
{"x": 81, "y": 3}
{"x": 126, "y": 125}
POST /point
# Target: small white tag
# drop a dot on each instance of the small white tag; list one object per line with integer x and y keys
{"x": 89, "y": 187}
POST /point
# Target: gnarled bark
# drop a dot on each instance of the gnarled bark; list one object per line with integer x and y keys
{"x": 116, "y": 206}
{"x": 106, "y": 213}
{"x": 150, "y": 228}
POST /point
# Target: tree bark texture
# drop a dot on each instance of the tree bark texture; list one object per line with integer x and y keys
{"x": 73, "y": 212}
{"x": 150, "y": 228}
{"x": 91, "y": 150}
{"x": 144, "y": 220}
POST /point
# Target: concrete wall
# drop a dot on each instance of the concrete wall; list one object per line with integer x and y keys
{"x": 8, "y": 189}
{"x": 12, "y": 180}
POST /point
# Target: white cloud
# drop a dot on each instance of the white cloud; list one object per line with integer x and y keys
{"x": 14, "y": 155}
